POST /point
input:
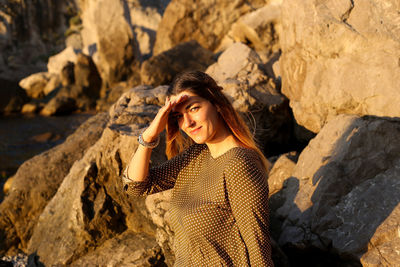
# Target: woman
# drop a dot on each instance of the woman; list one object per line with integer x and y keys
{"x": 219, "y": 177}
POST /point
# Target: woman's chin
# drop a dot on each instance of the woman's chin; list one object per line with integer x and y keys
{"x": 198, "y": 140}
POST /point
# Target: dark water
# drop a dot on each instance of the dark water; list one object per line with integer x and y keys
{"x": 23, "y": 137}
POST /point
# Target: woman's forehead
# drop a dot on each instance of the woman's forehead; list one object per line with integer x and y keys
{"x": 192, "y": 98}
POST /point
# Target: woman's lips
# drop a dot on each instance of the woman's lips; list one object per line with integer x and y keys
{"x": 195, "y": 131}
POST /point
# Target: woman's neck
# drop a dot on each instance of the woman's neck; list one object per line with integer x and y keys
{"x": 220, "y": 147}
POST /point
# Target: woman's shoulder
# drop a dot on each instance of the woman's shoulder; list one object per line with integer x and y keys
{"x": 242, "y": 158}
{"x": 244, "y": 154}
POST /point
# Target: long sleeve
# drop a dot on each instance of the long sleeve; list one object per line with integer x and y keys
{"x": 161, "y": 177}
{"x": 247, "y": 190}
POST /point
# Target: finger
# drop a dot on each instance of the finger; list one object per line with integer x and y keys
{"x": 179, "y": 99}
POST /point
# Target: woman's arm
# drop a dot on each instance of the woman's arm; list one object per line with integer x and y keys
{"x": 136, "y": 173}
{"x": 247, "y": 188}
{"x": 163, "y": 176}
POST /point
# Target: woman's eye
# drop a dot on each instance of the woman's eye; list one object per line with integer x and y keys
{"x": 194, "y": 109}
{"x": 178, "y": 116}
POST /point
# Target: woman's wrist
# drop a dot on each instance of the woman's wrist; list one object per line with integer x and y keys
{"x": 151, "y": 144}
{"x": 148, "y": 139}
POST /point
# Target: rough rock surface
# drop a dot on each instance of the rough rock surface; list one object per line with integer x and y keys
{"x": 34, "y": 84}
{"x": 57, "y": 62}
{"x": 207, "y": 22}
{"x": 30, "y": 31}
{"x": 343, "y": 194}
{"x": 81, "y": 86}
{"x": 340, "y": 57}
{"x": 145, "y": 17}
{"x": 36, "y": 182}
{"x": 126, "y": 249}
{"x": 158, "y": 208}
{"x": 259, "y": 29}
{"x": 109, "y": 39}
{"x": 240, "y": 72}
{"x": 162, "y": 68}
{"x": 59, "y": 105}
{"x": 90, "y": 207}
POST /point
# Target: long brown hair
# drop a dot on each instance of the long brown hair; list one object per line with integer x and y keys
{"x": 201, "y": 84}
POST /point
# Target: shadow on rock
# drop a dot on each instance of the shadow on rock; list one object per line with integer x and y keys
{"x": 341, "y": 200}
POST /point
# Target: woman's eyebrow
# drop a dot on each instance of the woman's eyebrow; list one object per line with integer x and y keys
{"x": 173, "y": 113}
{"x": 191, "y": 104}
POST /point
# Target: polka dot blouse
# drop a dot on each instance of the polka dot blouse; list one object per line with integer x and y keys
{"x": 219, "y": 206}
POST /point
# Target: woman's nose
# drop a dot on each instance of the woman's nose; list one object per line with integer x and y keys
{"x": 187, "y": 121}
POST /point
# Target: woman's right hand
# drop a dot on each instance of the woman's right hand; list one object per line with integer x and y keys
{"x": 160, "y": 120}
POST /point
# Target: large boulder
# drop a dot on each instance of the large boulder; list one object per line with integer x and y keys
{"x": 81, "y": 87}
{"x": 158, "y": 207}
{"x": 108, "y": 37}
{"x": 162, "y": 68}
{"x": 59, "y": 105}
{"x": 36, "y": 182}
{"x": 342, "y": 196}
{"x": 207, "y": 22}
{"x": 126, "y": 249}
{"x": 57, "y": 62}
{"x": 259, "y": 29}
{"x": 90, "y": 207}
{"x": 34, "y": 84}
{"x": 145, "y": 17}
{"x": 340, "y": 57}
{"x": 30, "y": 32}
{"x": 257, "y": 96}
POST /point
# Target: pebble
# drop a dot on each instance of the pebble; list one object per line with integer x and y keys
{"x": 19, "y": 260}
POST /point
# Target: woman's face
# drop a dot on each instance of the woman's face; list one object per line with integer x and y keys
{"x": 198, "y": 118}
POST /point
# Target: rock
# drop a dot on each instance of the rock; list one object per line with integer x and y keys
{"x": 281, "y": 170}
{"x": 162, "y": 68}
{"x": 340, "y": 57}
{"x": 109, "y": 40}
{"x": 36, "y": 182}
{"x": 81, "y": 87}
{"x": 145, "y": 41}
{"x": 145, "y": 18}
{"x": 158, "y": 207}
{"x": 12, "y": 96}
{"x": 259, "y": 29}
{"x": 57, "y": 62}
{"x": 384, "y": 249}
{"x": 59, "y": 105}
{"x": 53, "y": 83}
{"x": 207, "y": 22}
{"x": 74, "y": 41}
{"x": 7, "y": 186}
{"x": 105, "y": 102}
{"x": 240, "y": 72}
{"x": 87, "y": 76}
{"x": 19, "y": 260}
{"x": 67, "y": 74}
{"x": 342, "y": 196}
{"x": 44, "y": 137}
{"x": 34, "y": 84}
{"x": 31, "y": 31}
{"x": 90, "y": 207}
{"x": 127, "y": 249}
{"x": 279, "y": 183}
